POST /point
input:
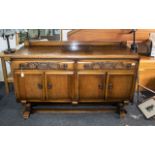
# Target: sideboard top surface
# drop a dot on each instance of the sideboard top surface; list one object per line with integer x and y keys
{"x": 69, "y": 53}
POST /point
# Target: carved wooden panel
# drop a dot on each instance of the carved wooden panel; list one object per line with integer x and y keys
{"x": 108, "y": 65}
{"x": 44, "y": 66}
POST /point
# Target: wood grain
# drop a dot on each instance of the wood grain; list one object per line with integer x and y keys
{"x": 110, "y": 35}
{"x": 75, "y": 83}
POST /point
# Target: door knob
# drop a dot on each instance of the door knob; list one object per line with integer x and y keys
{"x": 49, "y": 86}
{"x": 100, "y": 86}
{"x": 40, "y": 86}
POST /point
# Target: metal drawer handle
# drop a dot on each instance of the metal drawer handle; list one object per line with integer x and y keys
{"x": 49, "y": 86}
{"x": 128, "y": 66}
{"x": 100, "y": 86}
{"x": 40, "y": 86}
{"x": 65, "y": 66}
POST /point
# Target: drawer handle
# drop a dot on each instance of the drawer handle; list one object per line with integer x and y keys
{"x": 87, "y": 66}
{"x": 49, "y": 86}
{"x": 65, "y": 66}
{"x": 128, "y": 66}
{"x": 100, "y": 86}
{"x": 40, "y": 86}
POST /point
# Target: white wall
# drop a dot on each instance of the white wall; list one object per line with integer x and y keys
{"x": 64, "y": 34}
{"x": 3, "y": 46}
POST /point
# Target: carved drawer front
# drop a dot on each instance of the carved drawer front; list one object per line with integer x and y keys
{"x": 43, "y": 65}
{"x": 105, "y": 64}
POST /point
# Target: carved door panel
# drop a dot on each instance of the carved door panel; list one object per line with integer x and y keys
{"x": 29, "y": 85}
{"x": 59, "y": 85}
{"x": 119, "y": 86}
{"x": 91, "y": 85}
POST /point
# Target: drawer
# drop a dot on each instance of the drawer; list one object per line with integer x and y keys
{"x": 43, "y": 65}
{"x": 106, "y": 64}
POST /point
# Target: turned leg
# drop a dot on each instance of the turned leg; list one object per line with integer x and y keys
{"x": 27, "y": 110}
{"x": 121, "y": 111}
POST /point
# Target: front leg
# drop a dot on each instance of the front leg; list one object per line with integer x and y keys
{"x": 27, "y": 111}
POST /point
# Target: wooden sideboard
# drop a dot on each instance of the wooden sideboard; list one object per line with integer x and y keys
{"x": 92, "y": 73}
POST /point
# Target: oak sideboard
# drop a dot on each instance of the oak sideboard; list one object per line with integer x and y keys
{"x": 74, "y": 74}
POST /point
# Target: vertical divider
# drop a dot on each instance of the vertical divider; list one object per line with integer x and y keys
{"x": 106, "y": 85}
{"x": 76, "y": 83}
{"x": 45, "y": 96}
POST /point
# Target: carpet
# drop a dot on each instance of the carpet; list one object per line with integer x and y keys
{"x": 11, "y": 115}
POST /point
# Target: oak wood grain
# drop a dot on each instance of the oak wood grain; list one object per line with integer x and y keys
{"x": 76, "y": 84}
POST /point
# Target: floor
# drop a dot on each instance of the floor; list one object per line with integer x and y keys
{"x": 11, "y": 115}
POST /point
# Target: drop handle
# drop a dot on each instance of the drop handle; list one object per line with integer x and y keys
{"x": 128, "y": 66}
{"x": 49, "y": 86}
{"x": 110, "y": 86}
{"x": 40, "y": 86}
{"x": 100, "y": 86}
{"x": 65, "y": 66}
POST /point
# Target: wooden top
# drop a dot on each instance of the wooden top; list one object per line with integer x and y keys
{"x": 147, "y": 59}
{"x": 83, "y": 51}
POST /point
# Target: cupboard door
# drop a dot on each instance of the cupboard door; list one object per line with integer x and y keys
{"x": 91, "y": 86}
{"x": 119, "y": 86}
{"x": 59, "y": 85}
{"x": 29, "y": 85}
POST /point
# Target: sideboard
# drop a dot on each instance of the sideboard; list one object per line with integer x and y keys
{"x": 75, "y": 74}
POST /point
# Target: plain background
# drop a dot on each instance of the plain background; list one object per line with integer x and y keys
{"x": 77, "y": 14}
